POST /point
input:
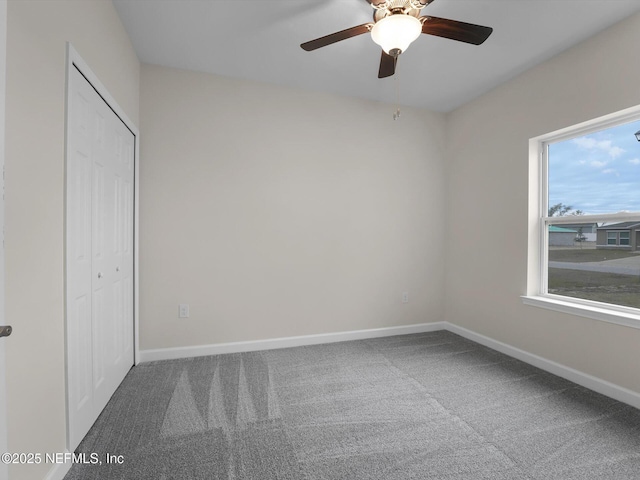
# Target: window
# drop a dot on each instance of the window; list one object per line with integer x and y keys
{"x": 584, "y": 251}
{"x": 623, "y": 238}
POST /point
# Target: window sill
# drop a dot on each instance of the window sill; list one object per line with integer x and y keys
{"x": 604, "y": 314}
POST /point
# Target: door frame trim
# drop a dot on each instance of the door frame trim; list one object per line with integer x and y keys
{"x": 74, "y": 60}
{"x": 4, "y": 412}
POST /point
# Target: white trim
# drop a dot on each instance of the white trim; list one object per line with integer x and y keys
{"x": 615, "y": 314}
{"x": 4, "y": 412}
{"x": 537, "y": 293}
{"x": 59, "y": 470}
{"x": 136, "y": 251}
{"x": 74, "y": 60}
{"x": 627, "y": 115}
{"x": 592, "y": 383}
{"x": 273, "y": 343}
{"x": 596, "y": 218}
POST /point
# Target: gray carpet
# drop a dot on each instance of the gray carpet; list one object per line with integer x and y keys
{"x": 423, "y": 406}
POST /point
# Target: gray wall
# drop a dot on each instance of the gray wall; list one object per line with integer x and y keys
{"x": 562, "y": 238}
{"x": 37, "y": 33}
{"x": 487, "y": 177}
{"x": 278, "y": 213}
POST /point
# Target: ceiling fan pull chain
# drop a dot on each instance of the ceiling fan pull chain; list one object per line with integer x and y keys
{"x": 396, "y": 114}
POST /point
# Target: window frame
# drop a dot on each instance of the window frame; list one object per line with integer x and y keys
{"x": 627, "y": 237}
{"x": 538, "y": 227}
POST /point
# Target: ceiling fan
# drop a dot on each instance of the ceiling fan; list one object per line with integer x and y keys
{"x": 397, "y": 23}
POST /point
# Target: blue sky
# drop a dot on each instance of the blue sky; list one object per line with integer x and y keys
{"x": 597, "y": 173}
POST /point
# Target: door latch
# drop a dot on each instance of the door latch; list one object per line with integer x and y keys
{"x": 5, "y": 330}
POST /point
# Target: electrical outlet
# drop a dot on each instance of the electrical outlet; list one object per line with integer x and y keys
{"x": 183, "y": 310}
{"x": 405, "y": 297}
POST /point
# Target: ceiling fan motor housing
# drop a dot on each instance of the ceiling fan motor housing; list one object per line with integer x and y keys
{"x": 384, "y": 8}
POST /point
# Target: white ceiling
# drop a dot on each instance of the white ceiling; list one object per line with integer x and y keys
{"x": 259, "y": 40}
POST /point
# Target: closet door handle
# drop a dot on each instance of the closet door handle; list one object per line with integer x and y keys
{"x": 117, "y": 269}
{"x": 99, "y": 274}
{"x": 5, "y": 330}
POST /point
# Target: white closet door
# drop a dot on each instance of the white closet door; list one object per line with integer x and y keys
{"x": 120, "y": 241}
{"x": 99, "y": 254}
{"x": 79, "y": 274}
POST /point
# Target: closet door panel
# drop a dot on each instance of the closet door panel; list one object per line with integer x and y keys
{"x": 99, "y": 243}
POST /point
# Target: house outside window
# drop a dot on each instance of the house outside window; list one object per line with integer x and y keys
{"x": 584, "y": 219}
{"x": 619, "y": 235}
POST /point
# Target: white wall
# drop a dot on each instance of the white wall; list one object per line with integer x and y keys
{"x": 37, "y": 32}
{"x": 487, "y": 168}
{"x": 275, "y": 213}
{"x": 4, "y": 469}
{"x": 278, "y": 213}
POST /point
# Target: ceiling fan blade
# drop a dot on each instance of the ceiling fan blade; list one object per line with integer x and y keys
{"x": 336, "y": 37}
{"x": 387, "y": 65}
{"x": 454, "y": 30}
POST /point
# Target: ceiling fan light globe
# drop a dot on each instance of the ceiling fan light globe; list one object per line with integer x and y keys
{"x": 396, "y": 32}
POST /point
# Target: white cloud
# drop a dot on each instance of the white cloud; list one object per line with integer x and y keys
{"x": 610, "y": 171}
{"x": 598, "y": 164}
{"x": 615, "y": 152}
{"x": 635, "y": 161}
{"x": 584, "y": 142}
{"x": 603, "y": 145}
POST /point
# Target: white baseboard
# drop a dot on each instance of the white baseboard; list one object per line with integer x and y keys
{"x": 593, "y": 383}
{"x": 589, "y": 381}
{"x": 59, "y": 470}
{"x": 273, "y": 343}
